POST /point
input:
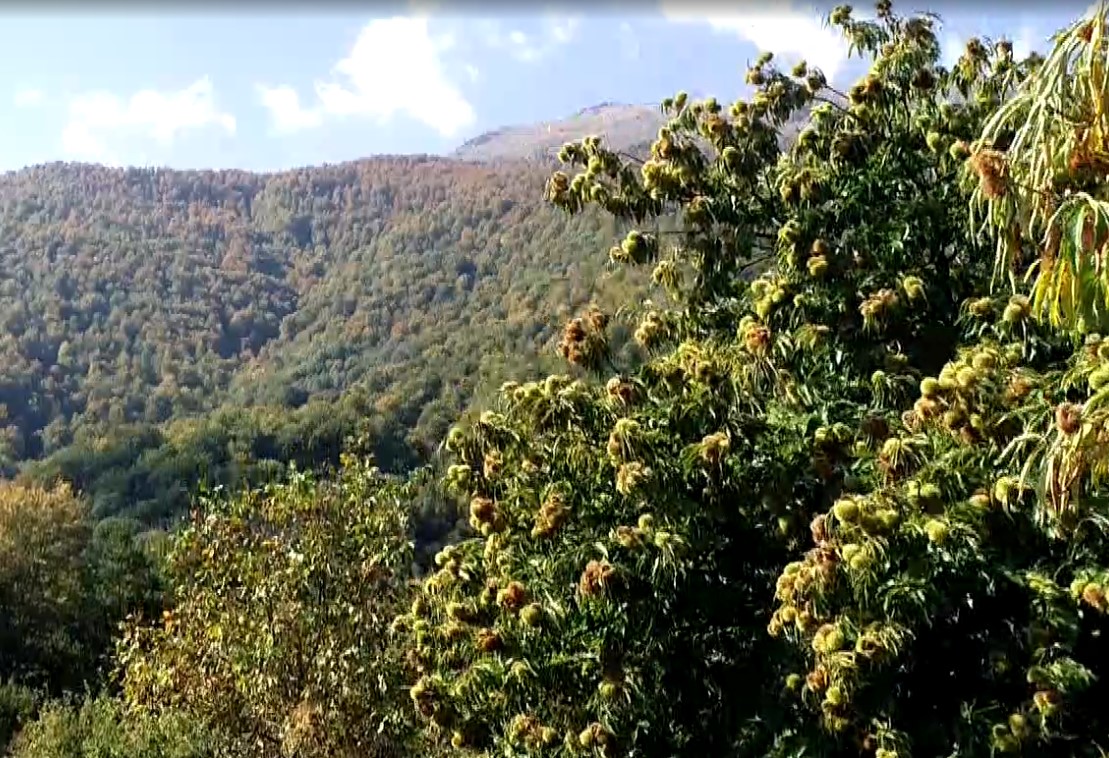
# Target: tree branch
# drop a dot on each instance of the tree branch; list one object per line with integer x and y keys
{"x": 630, "y": 157}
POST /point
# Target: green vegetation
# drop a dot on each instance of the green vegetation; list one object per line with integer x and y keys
{"x": 102, "y": 727}
{"x": 636, "y": 531}
{"x": 66, "y": 582}
{"x": 852, "y": 505}
{"x": 165, "y": 328}
{"x": 279, "y": 618}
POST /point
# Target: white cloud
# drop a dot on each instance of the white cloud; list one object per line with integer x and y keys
{"x": 529, "y": 48}
{"x": 562, "y": 31}
{"x": 99, "y": 118}
{"x": 797, "y": 32}
{"x": 395, "y": 66}
{"x": 285, "y": 109}
{"x": 28, "y": 98}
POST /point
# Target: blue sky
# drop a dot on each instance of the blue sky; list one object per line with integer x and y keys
{"x": 267, "y": 90}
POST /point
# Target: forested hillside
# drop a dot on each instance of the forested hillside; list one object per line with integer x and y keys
{"x": 133, "y": 303}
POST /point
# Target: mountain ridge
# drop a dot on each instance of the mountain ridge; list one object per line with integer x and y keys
{"x": 133, "y": 299}
{"x": 623, "y": 126}
{"x": 155, "y": 320}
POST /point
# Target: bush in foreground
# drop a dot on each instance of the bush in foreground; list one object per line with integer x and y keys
{"x": 276, "y": 633}
{"x": 104, "y": 728}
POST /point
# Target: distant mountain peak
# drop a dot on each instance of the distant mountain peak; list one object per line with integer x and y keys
{"x": 623, "y": 127}
{"x": 602, "y": 107}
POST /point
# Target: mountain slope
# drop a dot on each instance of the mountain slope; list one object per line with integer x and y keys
{"x": 144, "y": 296}
{"x": 162, "y": 329}
{"x": 623, "y": 127}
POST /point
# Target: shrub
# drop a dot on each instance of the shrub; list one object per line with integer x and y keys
{"x": 103, "y": 728}
{"x": 276, "y": 632}
{"x": 17, "y": 706}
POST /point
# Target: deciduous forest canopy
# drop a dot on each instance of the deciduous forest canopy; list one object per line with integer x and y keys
{"x": 161, "y": 327}
{"x": 817, "y": 469}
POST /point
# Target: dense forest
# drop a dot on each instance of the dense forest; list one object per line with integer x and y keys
{"x": 837, "y": 487}
{"x": 164, "y": 328}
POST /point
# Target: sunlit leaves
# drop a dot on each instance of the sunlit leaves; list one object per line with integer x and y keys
{"x": 277, "y": 632}
{"x": 924, "y": 449}
{"x": 1039, "y": 168}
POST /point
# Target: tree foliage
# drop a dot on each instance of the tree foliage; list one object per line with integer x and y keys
{"x": 851, "y": 505}
{"x": 1041, "y": 192}
{"x": 64, "y": 586}
{"x": 152, "y": 472}
{"x": 103, "y": 728}
{"x": 276, "y": 630}
{"x": 170, "y": 331}
{"x": 43, "y": 535}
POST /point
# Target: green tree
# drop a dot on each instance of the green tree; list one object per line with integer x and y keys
{"x": 955, "y": 601}
{"x": 620, "y": 598}
{"x": 277, "y": 628}
{"x": 123, "y": 574}
{"x": 1040, "y": 168}
{"x": 44, "y": 608}
{"x": 65, "y": 586}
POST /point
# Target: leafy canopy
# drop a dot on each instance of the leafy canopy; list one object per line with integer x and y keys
{"x": 785, "y": 533}
{"x": 1041, "y": 162}
{"x": 276, "y": 633}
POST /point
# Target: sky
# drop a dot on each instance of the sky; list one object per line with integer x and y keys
{"x": 273, "y": 87}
